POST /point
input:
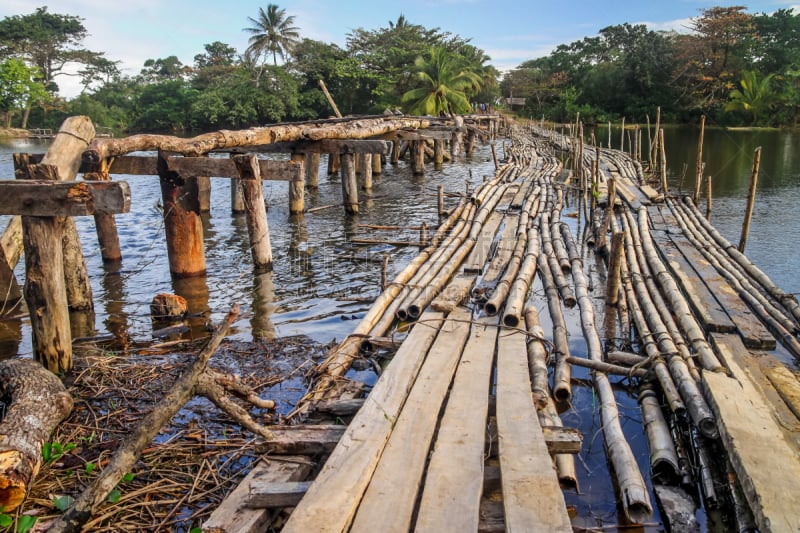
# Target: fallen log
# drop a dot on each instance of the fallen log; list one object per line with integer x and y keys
{"x": 128, "y": 453}
{"x": 39, "y": 402}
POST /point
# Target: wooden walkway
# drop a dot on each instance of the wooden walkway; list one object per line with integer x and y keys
{"x": 460, "y": 432}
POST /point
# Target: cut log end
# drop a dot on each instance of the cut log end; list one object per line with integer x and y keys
{"x": 13, "y": 487}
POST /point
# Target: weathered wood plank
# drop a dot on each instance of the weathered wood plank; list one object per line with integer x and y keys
{"x": 754, "y": 333}
{"x": 332, "y": 500}
{"x": 63, "y": 198}
{"x": 769, "y": 477}
{"x": 454, "y": 293}
{"x": 457, "y": 459}
{"x": 702, "y": 301}
{"x": 388, "y": 503}
{"x": 302, "y": 440}
{"x": 234, "y": 516}
{"x": 532, "y": 497}
{"x": 275, "y": 495}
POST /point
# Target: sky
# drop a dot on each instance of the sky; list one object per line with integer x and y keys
{"x": 510, "y": 32}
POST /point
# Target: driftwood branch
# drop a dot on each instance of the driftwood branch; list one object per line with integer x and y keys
{"x": 129, "y": 451}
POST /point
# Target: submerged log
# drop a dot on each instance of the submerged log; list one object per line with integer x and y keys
{"x": 39, "y": 402}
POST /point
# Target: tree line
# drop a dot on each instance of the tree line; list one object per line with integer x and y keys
{"x": 735, "y": 67}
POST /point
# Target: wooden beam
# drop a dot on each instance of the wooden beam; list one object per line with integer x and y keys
{"x": 275, "y": 495}
{"x": 201, "y": 166}
{"x": 63, "y": 198}
{"x": 326, "y": 146}
{"x": 302, "y": 440}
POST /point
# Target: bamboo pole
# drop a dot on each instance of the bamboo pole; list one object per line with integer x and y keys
{"x": 699, "y": 173}
{"x": 562, "y": 374}
{"x": 788, "y": 301}
{"x": 614, "y": 271}
{"x": 633, "y": 491}
{"x": 329, "y": 98}
{"x": 674, "y": 297}
{"x": 709, "y": 201}
{"x": 663, "y": 162}
{"x": 519, "y": 290}
{"x": 663, "y": 457}
{"x": 537, "y": 358}
{"x": 751, "y": 200}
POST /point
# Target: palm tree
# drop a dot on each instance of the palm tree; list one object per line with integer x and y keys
{"x": 271, "y": 33}
{"x": 444, "y": 83}
{"x": 754, "y": 97}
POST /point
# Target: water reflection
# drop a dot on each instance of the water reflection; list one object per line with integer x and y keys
{"x": 263, "y": 306}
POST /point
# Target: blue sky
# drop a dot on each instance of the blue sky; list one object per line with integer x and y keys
{"x": 510, "y": 32}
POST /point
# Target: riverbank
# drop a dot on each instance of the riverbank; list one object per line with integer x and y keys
{"x": 14, "y": 133}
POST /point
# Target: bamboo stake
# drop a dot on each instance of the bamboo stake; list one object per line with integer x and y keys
{"x": 633, "y": 491}
{"x": 699, "y": 173}
{"x": 614, "y": 272}
{"x": 751, "y": 200}
{"x": 663, "y": 163}
{"x": 709, "y": 201}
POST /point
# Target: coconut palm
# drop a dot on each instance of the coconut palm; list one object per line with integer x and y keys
{"x": 755, "y": 95}
{"x": 444, "y": 82}
{"x": 271, "y": 33}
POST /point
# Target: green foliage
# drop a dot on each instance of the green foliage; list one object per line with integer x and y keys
{"x": 25, "y": 523}
{"x": 165, "y": 107}
{"x": 271, "y": 33}
{"x": 754, "y": 96}
{"x": 52, "y": 451}
{"x": 90, "y": 467}
{"x": 5, "y": 520}
{"x": 444, "y": 80}
{"x": 62, "y": 503}
{"x": 19, "y": 87}
{"x": 114, "y": 496}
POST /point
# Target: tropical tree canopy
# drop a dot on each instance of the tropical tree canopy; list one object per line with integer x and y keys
{"x": 445, "y": 80}
{"x": 272, "y": 33}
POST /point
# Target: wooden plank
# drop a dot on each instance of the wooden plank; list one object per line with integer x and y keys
{"x": 302, "y": 440}
{"x": 388, "y": 503}
{"x": 558, "y": 439}
{"x": 532, "y": 497}
{"x": 505, "y": 249}
{"x": 275, "y": 495}
{"x": 326, "y": 146}
{"x": 457, "y": 458}
{"x": 754, "y": 333}
{"x": 702, "y": 301}
{"x": 332, "y": 500}
{"x": 765, "y": 463}
{"x": 454, "y": 293}
{"x": 632, "y": 195}
{"x": 476, "y": 260}
{"x": 217, "y": 167}
{"x": 233, "y": 515}
{"x": 656, "y": 218}
{"x": 63, "y": 198}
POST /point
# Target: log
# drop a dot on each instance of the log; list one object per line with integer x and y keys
{"x": 38, "y": 402}
{"x": 128, "y": 453}
{"x": 63, "y": 199}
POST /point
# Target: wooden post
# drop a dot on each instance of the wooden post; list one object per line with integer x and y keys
{"x": 709, "y": 201}
{"x": 204, "y": 193}
{"x": 395, "y": 151}
{"x": 182, "y": 223}
{"x": 377, "y": 164}
{"x": 418, "y": 158}
{"x": 106, "y": 225}
{"x": 237, "y": 200}
{"x": 614, "y": 267}
{"x": 699, "y": 173}
{"x": 257, "y": 226}
{"x": 366, "y": 171}
{"x": 334, "y": 163}
{"x": 470, "y": 142}
{"x": 494, "y": 156}
{"x": 440, "y": 199}
{"x": 349, "y": 185}
{"x": 751, "y": 199}
{"x": 622, "y": 136}
{"x": 663, "y": 162}
{"x": 297, "y": 190}
{"x": 312, "y": 170}
{"x": 45, "y": 288}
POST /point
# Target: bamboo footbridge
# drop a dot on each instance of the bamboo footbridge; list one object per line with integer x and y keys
{"x": 462, "y": 432}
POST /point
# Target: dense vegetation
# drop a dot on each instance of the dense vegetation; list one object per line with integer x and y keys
{"x": 735, "y": 67}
